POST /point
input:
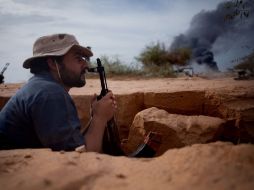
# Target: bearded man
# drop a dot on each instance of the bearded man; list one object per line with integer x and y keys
{"x": 42, "y": 114}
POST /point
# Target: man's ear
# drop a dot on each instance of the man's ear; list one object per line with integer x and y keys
{"x": 52, "y": 64}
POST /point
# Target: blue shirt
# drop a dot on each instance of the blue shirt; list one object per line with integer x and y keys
{"x": 41, "y": 114}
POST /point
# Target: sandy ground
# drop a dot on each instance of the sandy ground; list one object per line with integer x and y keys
{"x": 165, "y": 85}
{"x": 228, "y": 166}
{"x": 150, "y": 85}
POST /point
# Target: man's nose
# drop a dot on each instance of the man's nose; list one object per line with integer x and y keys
{"x": 85, "y": 64}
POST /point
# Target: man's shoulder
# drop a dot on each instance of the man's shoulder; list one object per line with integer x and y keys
{"x": 46, "y": 85}
{"x": 40, "y": 87}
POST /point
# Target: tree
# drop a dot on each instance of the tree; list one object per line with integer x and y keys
{"x": 154, "y": 54}
{"x": 180, "y": 56}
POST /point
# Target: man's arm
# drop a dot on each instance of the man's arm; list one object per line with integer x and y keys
{"x": 103, "y": 110}
{"x": 55, "y": 120}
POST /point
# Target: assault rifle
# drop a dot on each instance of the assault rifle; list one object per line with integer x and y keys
{"x": 2, "y": 73}
{"x": 111, "y": 140}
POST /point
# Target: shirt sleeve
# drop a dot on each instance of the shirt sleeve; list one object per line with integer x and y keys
{"x": 56, "y": 121}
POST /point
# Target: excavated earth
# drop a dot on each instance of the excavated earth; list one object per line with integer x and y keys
{"x": 207, "y": 130}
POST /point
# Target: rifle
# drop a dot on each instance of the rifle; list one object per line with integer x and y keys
{"x": 111, "y": 140}
{"x": 2, "y": 73}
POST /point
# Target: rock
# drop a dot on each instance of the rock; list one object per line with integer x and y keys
{"x": 200, "y": 166}
{"x": 176, "y": 130}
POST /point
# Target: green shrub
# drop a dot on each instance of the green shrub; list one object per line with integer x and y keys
{"x": 115, "y": 67}
{"x": 153, "y": 55}
{"x": 180, "y": 56}
{"x": 157, "y": 61}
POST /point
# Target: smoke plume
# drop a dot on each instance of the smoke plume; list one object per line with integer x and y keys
{"x": 230, "y": 25}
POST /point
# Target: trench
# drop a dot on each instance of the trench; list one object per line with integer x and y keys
{"x": 238, "y": 112}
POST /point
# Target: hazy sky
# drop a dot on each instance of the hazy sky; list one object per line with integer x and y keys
{"x": 110, "y": 27}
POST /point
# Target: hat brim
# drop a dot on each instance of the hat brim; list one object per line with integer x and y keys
{"x": 85, "y": 52}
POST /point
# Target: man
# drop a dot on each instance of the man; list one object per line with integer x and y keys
{"x": 42, "y": 113}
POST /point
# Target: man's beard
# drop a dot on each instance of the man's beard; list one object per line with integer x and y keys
{"x": 71, "y": 79}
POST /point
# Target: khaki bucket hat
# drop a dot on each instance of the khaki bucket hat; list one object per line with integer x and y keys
{"x": 55, "y": 45}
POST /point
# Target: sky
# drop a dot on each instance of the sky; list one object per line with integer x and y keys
{"x": 121, "y": 28}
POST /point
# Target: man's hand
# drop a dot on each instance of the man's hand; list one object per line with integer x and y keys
{"x": 105, "y": 108}
{"x": 102, "y": 111}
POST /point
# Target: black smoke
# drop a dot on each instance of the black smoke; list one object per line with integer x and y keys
{"x": 232, "y": 22}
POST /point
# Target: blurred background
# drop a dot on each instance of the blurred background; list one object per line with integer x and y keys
{"x": 134, "y": 37}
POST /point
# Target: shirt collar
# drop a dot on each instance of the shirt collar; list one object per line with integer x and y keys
{"x": 45, "y": 75}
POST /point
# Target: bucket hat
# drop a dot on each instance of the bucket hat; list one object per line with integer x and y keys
{"x": 55, "y": 45}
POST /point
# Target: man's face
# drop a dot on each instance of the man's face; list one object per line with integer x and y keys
{"x": 73, "y": 68}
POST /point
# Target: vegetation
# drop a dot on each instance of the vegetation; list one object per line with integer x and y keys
{"x": 153, "y": 55}
{"x": 158, "y": 61}
{"x": 158, "y": 55}
{"x": 115, "y": 67}
{"x": 154, "y": 61}
{"x": 179, "y": 56}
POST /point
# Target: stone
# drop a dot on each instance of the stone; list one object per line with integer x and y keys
{"x": 176, "y": 130}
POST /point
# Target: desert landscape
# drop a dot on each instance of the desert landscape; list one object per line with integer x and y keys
{"x": 207, "y": 139}
{"x": 180, "y": 70}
